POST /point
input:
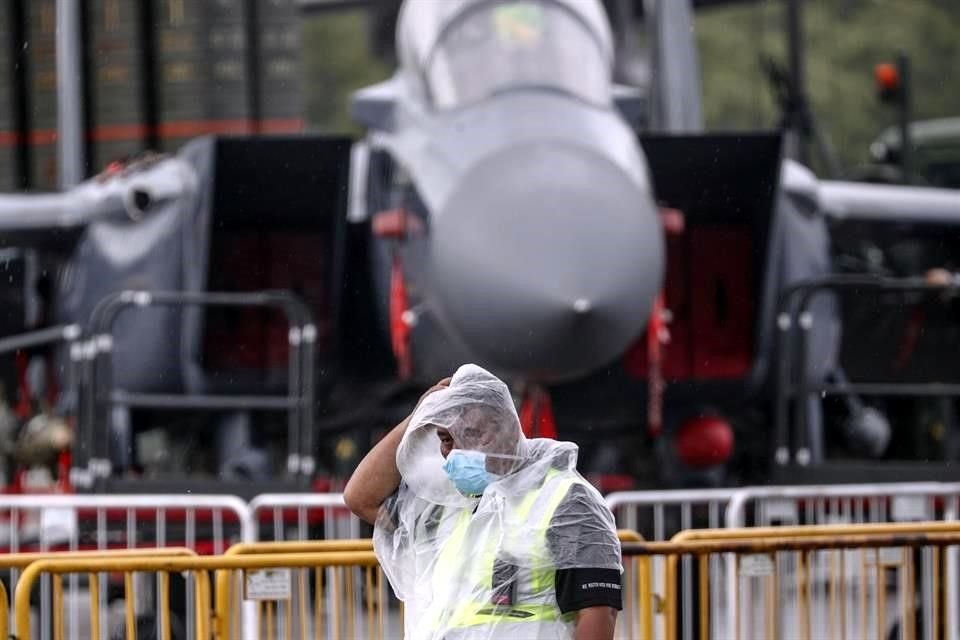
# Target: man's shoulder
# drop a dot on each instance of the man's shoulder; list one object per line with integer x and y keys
{"x": 581, "y": 503}
{"x": 580, "y": 492}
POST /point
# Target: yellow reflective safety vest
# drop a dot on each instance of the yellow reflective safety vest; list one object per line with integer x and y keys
{"x": 531, "y": 612}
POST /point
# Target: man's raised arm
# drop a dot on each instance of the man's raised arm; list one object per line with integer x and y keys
{"x": 376, "y": 478}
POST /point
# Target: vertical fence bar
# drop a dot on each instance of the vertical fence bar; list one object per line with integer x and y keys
{"x": 335, "y": 604}
{"x": 686, "y": 523}
{"x": 351, "y": 611}
{"x": 704, "y": 568}
{"x": 164, "y": 613}
{"x": 881, "y": 600}
{"x": 318, "y": 604}
{"x": 368, "y": 590}
{"x": 909, "y": 597}
{"x": 863, "y": 593}
{"x": 646, "y": 597}
{"x": 933, "y": 630}
{"x": 58, "y": 609}
{"x": 803, "y": 608}
{"x": 94, "y": 586}
{"x": 129, "y": 602}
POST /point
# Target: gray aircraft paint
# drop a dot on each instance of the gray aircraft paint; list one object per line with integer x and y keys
{"x": 543, "y": 250}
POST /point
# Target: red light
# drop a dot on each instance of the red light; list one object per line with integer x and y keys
{"x": 391, "y": 223}
{"x": 887, "y": 76}
{"x": 704, "y": 441}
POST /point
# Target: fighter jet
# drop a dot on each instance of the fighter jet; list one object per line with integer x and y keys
{"x": 506, "y": 207}
{"x": 511, "y": 203}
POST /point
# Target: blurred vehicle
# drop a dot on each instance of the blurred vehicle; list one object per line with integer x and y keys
{"x": 935, "y": 159}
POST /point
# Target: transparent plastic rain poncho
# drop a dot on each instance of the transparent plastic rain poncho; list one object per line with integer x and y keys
{"x": 461, "y": 563}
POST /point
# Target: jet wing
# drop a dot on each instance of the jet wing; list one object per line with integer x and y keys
{"x": 854, "y": 200}
{"x": 373, "y": 106}
{"x": 48, "y": 221}
{"x": 56, "y": 221}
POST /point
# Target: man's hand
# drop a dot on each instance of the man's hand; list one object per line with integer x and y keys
{"x": 443, "y": 384}
{"x": 595, "y": 623}
{"x": 939, "y": 277}
{"x": 377, "y": 477}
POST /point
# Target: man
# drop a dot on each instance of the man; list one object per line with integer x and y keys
{"x": 483, "y": 533}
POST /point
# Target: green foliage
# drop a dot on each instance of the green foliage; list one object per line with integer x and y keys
{"x": 845, "y": 39}
{"x": 337, "y": 62}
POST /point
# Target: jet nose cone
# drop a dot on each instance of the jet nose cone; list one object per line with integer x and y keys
{"x": 546, "y": 260}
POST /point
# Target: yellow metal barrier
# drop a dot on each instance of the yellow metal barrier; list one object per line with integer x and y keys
{"x": 199, "y": 566}
{"x": 23, "y": 560}
{"x": 755, "y": 550}
{"x": 633, "y": 618}
{"x": 4, "y": 612}
{"x": 227, "y": 616}
{"x": 810, "y": 562}
{"x": 340, "y": 612}
{"x": 794, "y": 532}
{"x": 217, "y": 612}
{"x": 628, "y": 535}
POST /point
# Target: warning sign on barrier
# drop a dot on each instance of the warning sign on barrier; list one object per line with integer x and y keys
{"x": 756, "y": 565}
{"x": 267, "y": 584}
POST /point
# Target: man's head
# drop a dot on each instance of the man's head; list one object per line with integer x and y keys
{"x": 489, "y": 430}
{"x": 478, "y": 427}
{"x": 474, "y": 414}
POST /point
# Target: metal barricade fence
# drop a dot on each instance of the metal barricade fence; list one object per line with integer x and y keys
{"x": 303, "y": 590}
{"x": 20, "y": 561}
{"x": 303, "y": 516}
{"x": 75, "y": 523}
{"x": 357, "y": 602}
{"x": 658, "y": 515}
{"x": 872, "y": 588}
{"x": 356, "y": 590}
{"x": 866, "y": 503}
{"x": 851, "y": 504}
{"x": 263, "y": 576}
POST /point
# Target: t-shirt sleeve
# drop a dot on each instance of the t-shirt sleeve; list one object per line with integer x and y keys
{"x": 582, "y": 588}
{"x": 586, "y": 552}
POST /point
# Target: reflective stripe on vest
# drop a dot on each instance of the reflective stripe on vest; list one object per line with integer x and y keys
{"x": 538, "y": 602}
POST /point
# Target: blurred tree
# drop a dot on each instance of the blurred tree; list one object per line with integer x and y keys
{"x": 845, "y": 39}
{"x": 338, "y": 60}
{"x": 844, "y": 42}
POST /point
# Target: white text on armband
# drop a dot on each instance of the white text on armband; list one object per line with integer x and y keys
{"x": 600, "y": 585}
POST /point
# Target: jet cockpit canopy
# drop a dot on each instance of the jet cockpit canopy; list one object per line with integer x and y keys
{"x": 459, "y": 52}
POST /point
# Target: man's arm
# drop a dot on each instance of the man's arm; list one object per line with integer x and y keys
{"x": 376, "y": 478}
{"x": 582, "y": 531}
{"x": 595, "y": 623}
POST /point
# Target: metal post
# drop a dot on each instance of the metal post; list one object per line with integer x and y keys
{"x": 70, "y": 147}
{"x": 797, "y": 115}
{"x": 906, "y": 143}
{"x": 19, "y": 84}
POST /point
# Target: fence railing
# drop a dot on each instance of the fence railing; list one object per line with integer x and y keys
{"x": 806, "y": 582}
{"x": 838, "y": 581}
{"x": 212, "y": 525}
{"x": 100, "y": 396}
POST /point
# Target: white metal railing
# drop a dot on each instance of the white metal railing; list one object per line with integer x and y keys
{"x": 296, "y": 516}
{"x": 99, "y": 522}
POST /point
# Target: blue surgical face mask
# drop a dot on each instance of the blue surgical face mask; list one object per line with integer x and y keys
{"x": 468, "y": 471}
